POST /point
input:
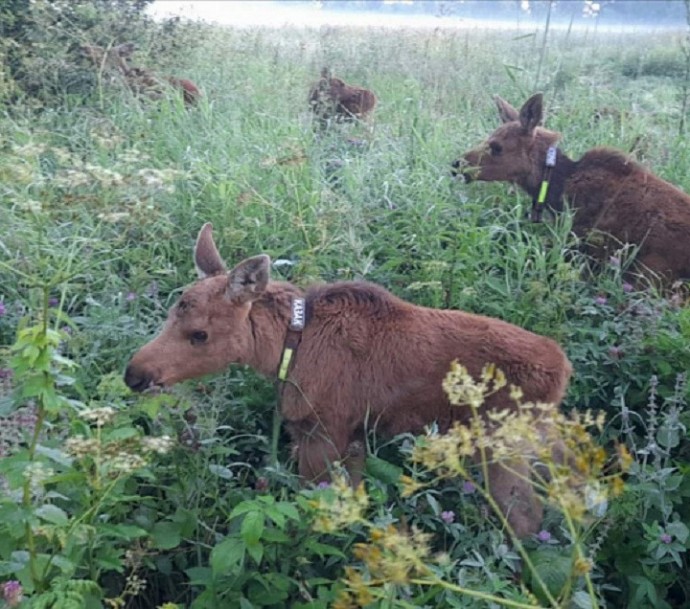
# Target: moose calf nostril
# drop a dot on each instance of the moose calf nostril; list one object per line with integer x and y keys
{"x": 135, "y": 381}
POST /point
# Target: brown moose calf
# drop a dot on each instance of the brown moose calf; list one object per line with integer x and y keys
{"x": 615, "y": 199}
{"x": 365, "y": 357}
{"x": 331, "y": 98}
{"x": 139, "y": 80}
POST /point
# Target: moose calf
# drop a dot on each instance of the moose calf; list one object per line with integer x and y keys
{"x": 331, "y": 98}
{"x": 139, "y": 80}
{"x": 615, "y": 199}
{"x": 363, "y": 355}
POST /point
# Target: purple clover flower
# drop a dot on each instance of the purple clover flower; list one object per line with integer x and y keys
{"x": 628, "y": 287}
{"x": 448, "y": 517}
{"x": 665, "y": 538}
{"x": 323, "y": 484}
{"x": 468, "y": 487}
{"x": 544, "y": 536}
{"x": 53, "y": 302}
{"x": 12, "y": 593}
{"x": 131, "y": 296}
{"x": 3, "y": 308}
{"x": 600, "y": 300}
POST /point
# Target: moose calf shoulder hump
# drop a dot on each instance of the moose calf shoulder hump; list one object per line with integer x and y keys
{"x": 364, "y": 357}
{"x": 615, "y": 200}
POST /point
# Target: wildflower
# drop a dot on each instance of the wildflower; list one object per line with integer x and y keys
{"x": 3, "y": 309}
{"x": 80, "y": 447}
{"x": 448, "y": 516}
{"x": 600, "y": 300}
{"x": 628, "y": 287}
{"x": 468, "y": 487}
{"x": 100, "y": 416}
{"x": 12, "y": 593}
{"x": 37, "y": 474}
{"x": 160, "y": 445}
{"x": 665, "y": 538}
{"x": 344, "y": 505}
{"x": 53, "y": 302}
{"x": 544, "y": 536}
{"x": 323, "y": 484}
{"x": 131, "y": 296}
{"x": 582, "y": 566}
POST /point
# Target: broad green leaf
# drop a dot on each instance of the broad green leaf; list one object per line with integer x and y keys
{"x": 166, "y": 535}
{"x": 252, "y": 527}
{"x": 227, "y": 555}
{"x": 53, "y": 514}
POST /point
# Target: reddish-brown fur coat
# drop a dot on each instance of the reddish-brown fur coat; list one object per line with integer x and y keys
{"x": 332, "y": 98}
{"x": 139, "y": 80}
{"x": 367, "y": 359}
{"x": 616, "y": 200}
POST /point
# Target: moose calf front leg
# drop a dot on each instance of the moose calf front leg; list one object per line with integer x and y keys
{"x": 512, "y": 490}
{"x": 318, "y": 450}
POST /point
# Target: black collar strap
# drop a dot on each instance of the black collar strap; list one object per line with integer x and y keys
{"x": 539, "y": 202}
{"x": 293, "y": 336}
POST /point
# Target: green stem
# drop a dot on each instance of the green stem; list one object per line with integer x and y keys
{"x": 474, "y": 593}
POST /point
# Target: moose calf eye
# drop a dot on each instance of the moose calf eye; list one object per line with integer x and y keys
{"x": 496, "y": 149}
{"x": 199, "y": 337}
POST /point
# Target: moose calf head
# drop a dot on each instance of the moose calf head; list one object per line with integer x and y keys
{"x": 209, "y": 327}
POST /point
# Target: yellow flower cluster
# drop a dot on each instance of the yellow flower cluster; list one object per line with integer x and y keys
{"x": 339, "y": 505}
{"x": 567, "y": 463}
{"x": 392, "y": 556}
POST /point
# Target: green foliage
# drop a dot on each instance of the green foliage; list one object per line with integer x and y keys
{"x": 101, "y": 198}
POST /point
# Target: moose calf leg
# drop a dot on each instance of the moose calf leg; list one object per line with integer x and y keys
{"x": 511, "y": 489}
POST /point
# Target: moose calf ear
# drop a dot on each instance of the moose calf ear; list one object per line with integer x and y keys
{"x": 249, "y": 278}
{"x": 506, "y": 112}
{"x": 532, "y": 112}
{"x": 206, "y": 257}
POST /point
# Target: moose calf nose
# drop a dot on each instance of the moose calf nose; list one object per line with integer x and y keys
{"x": 135, "y": 380}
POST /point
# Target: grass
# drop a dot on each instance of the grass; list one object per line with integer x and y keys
{"x": 102, "y": 198}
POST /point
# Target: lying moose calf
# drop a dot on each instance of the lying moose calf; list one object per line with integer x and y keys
{"x": 363, "y": 355}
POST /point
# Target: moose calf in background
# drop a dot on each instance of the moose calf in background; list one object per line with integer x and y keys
{"x": 332, "y": 99}
{"x": 139, "y": 80}
{"x": 363, "y": 357}
{"x": 615, "y": 199}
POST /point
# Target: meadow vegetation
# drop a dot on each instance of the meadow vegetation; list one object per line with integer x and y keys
{"x": 190, "y": 499}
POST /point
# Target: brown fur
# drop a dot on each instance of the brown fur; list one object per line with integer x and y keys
{"x": 616, "y": 200}
{"x": 366, "y": 359}
{"x": 332, "y": 98}
{"x": 139, "y": 80}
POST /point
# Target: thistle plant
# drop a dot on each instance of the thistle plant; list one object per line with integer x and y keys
{"x": 569, "y": 471}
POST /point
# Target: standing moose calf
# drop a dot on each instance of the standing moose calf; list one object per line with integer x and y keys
{"x": 139, "y": 80}
{"x": 331, "y": 98}
{"x": 615, "y": 199}
{"x": 364, "y": 356}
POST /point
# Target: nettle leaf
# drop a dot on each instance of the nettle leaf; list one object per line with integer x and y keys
{"x": 252, "y": 527}
{"x": 227, "y": 556}
{"x": 166, "y": 535}
{"x": 256, "y": 551}
{"x": 53, "y": 514}
{"x": 288, "y": 509}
